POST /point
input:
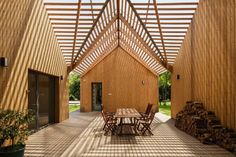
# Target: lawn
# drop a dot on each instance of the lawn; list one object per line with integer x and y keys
{"x": 165, "y": 109}
{"x": 74, "y": 107}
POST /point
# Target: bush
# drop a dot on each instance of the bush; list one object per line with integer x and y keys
{"x": 14, "y": 127}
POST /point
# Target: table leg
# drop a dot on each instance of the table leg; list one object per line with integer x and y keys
{"x": 121, "y": 125}
{"x": 135, "y": 126}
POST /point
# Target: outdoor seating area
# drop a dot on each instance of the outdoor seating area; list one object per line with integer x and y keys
{"x": 128, "y": 119}
{"x": 82, "y": 135}
{"x": 117, "y": 78}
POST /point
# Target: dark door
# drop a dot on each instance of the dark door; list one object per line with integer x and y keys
{"x": 96, "y": 96}
{"x": 41, "y": 99}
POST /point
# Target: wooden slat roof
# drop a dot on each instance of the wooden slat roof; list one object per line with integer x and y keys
{"x": 88, "y": 31}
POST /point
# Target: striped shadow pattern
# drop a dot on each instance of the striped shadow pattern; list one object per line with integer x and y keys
{"x": 166, "y": 141}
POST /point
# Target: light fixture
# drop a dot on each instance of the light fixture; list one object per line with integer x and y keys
{"x": 178, "y": 77}
{"x": 3, "y": 62}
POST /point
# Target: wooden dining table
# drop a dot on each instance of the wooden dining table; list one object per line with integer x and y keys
{"x": 130, "y": 113}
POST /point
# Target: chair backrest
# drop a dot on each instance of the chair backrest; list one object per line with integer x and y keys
{"x": 151, "y": 117}
{"x": 148, "y": 109}
{"x": 104, "y": 116}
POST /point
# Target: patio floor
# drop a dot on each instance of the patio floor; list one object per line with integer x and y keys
{"x": 82, "y": 135}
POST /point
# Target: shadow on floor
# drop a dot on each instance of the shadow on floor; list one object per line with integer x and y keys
{"x": 82, "y": 135}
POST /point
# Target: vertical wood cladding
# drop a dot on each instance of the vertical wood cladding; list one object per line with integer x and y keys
{"x": 121, "y": 76}
{"x": 207, "y": 61}
{"x": 28, "y": 41}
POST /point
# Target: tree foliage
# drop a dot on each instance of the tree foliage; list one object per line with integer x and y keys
{"x": 14, "y": 128}
{"x": 164, "y": 87}
{"x": 74, "y": 86}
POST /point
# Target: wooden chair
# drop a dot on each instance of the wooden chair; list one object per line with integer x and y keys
{"x": 107, "y": 113}
{"x": 110, "y": 123}
{"x": 145, "y": 114}
{"x": 146, "y": 123}
{"x": 148, "y": 110}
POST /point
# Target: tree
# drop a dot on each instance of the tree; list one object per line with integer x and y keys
{"x": 164, "y": 87}
{"x": 74, "y": 86}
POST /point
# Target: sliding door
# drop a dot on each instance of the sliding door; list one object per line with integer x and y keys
{"x": 41, "y": 99}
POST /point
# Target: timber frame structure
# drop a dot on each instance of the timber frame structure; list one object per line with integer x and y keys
{"x": 153, "y": 32}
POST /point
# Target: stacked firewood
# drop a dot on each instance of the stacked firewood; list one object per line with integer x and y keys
{"x": 205, "y": 126}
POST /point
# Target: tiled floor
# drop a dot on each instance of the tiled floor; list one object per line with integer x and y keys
{"x": 63, "y": 139}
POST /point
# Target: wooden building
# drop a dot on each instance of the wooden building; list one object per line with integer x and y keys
{"x": 125, "y": 82}
{"x": 119, "y": 46}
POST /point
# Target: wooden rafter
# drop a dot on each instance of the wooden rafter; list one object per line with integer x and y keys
{"x": 92, "y": 9}
{"x": 132, "y": 53}
{"x": 129, "y": 48}
{"x": 159, "y": 27}
{"x": 97, "y": 39}
{"x": 146, "y": 17}
{"x": 118, "y": 17}
{"x": 145, "y": 29}
{"x": 76, "y": 30}
{"x": 140, "y": 39}
{"x": 91, "y": 30}
{"x": 158, "y": 34}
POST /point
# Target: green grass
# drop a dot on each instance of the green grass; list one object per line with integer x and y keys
{"x": 73, "y": 108}
{"x": 165, "y": 109}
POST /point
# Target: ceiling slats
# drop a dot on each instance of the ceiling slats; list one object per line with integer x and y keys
{"x": 152, "y": 32}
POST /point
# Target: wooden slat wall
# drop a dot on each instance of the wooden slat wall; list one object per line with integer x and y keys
{"x": 122, "y": 76}
{"x": 212, "y": 48}
{"x": 181, "y": 88}
{"x": 28, "y": 41}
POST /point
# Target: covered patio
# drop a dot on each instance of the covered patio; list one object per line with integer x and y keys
{"x": 82, "y": 136}
{"x": 119, "y": 48}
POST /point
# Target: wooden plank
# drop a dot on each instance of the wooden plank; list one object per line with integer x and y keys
{"x": 95, "y": 42}
{"x": 160, "y": 29}
{"x": 91, "y": 30}
{"x": 118, "y": 96}
{"x": 76, "y": 29}
{"x": 206, "y": 61}
{"x": 141, "y": 40}
{"x": 66, "y": 4}
{"x": 146, "y": 31}
{"x": 167, "y": 9}
{"x": 174, "y": 4}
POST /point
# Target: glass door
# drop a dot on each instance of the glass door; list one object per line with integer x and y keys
{"x": 32, "y": 99}
{"x": 96, "y": 96}
{"x": 41, "y": 99}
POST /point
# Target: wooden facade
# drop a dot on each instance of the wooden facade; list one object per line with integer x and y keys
{"x": 207, "y": 61}
{"x": 28, "y": 42}
{"x": 125, "y": 83}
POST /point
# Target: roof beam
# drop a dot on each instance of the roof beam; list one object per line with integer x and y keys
{"x": 118, "y": 17}
{"x": 146, "y": 31}
{"x": 66, "y": 4}
{"x": 96, "y": 41}
{"x": 140, "y": 39}
{"x": 91, "y": 30}
{"x": 76, "y": 29}
{"x": 159, "y": 27}
{"x": 175, "y": 3}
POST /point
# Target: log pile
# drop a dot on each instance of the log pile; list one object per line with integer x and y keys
{"x": 205, "y": 126}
